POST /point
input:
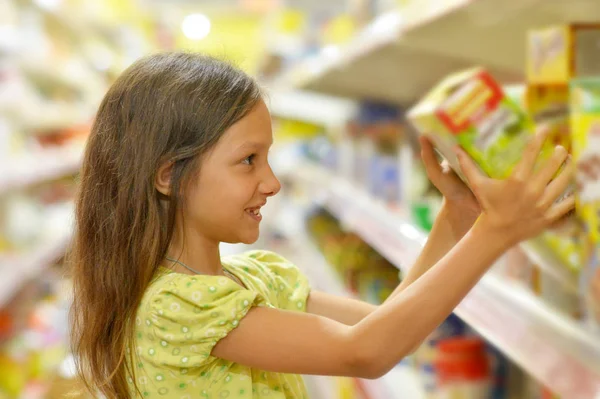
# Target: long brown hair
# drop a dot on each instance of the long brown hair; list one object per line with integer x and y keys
{"x": 165, "y": 107}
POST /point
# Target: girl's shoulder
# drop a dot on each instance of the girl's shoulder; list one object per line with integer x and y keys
{"x": 269, "y": 280}
{"x": 273, "y": 276}
{"x": 259, "y": 263}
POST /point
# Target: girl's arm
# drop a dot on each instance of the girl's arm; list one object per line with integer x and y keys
{"x": 291, "y": 342}
{"x": 448, "y": 229}
{"x": 350, "y": 311}
{"x": 459, "y": 211}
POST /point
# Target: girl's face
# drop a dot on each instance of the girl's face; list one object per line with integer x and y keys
{"x": 235, "y": 179}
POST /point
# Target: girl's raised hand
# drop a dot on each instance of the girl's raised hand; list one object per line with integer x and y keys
{"x": 524, "y": 204}
{"x": 461, "y": 205}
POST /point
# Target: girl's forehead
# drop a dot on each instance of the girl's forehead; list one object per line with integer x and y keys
{"x": 253, "y": 130}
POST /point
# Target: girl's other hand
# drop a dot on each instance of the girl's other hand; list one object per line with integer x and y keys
{"x": 525, "y": 204}
{"x": 462, "y": 208}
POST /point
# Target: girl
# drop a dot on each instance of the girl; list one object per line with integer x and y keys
{"x": 176, "y": 163}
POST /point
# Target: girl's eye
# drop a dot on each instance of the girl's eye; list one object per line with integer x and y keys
{"x": 248, "y": 160}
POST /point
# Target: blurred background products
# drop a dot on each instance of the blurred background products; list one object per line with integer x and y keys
{"x": 351, "y": 85}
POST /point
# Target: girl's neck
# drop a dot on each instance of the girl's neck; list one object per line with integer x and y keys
{"x": 197, "y": 253}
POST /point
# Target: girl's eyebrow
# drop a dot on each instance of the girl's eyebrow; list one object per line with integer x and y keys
{"x": 252, "y": 145}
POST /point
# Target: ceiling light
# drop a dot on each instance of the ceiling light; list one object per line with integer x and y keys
{"x": 196, "y": 26}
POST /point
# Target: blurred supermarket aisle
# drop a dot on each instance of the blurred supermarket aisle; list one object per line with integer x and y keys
{"x": 349, "y": 84}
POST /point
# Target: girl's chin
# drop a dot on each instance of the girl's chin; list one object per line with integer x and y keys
{"x": 249, "y": 238}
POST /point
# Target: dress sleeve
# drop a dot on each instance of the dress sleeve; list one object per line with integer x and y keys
{"x": 189, "y": 315}
{"x": 289, "y": 282}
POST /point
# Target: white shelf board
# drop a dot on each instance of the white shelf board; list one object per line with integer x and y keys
{"x": 38, "y": 167}
{"x": 16, "y": 270}
{"x": 402, "y": 54}
{"x": 555, "y": 349}
{"x": 310, "y": 107}
{"x": 380, "y": 64}
{"x": 493, "y": 32}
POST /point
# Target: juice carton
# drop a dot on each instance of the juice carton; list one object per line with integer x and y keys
{"x": 585, "y": 125}
{"x": 470, "y": 109}
{"x": 557, "y": 54}
{"x": 549, "y": 105}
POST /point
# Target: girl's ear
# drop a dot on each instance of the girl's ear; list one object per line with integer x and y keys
{"x": 163, "y": 178}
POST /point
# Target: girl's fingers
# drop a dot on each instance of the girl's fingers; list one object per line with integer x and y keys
{"x": 524, "y": 168}
{"x": 559, "y": 210}
{"x": 558, "y": 186}
{"x": 432, "y": 167}
{"x": 552, "y": 165}
{"x": 469, "y": 168}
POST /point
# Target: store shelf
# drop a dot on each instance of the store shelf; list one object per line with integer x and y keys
{"x": 550, "y": 265}
{"x": 493, "y": 32}
{"x": 402, "y": 54}
{"x": 54, "y": 118}
{"x": 16, "y": 270}
{"x": 310, "y": 107}
{"x": 551, "y": 347}
{"x": 45, "y": 76}
{"x": 379, "y": 64}
{"x": 35, "y": 168}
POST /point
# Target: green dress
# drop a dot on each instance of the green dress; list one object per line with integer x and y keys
{"x": 182, "y": 317}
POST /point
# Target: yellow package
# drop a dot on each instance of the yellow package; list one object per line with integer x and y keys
{"x": 549, "y": 105}
{"x": 585, "y": 120}
{"x": 557, "y": 54}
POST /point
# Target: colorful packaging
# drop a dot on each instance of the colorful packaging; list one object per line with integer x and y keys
{"x": 499, "y": 366}
{"x": 585, "y": 125}
{"x": 427, "y": 353}
{"x": 557, "y": 54}
{"x": 470, "y": 108}
{"x": 549, "y": 105}
{"x": 463, "y": 369}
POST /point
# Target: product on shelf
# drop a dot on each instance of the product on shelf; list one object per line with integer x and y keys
{"x": 35, "y": 215}
{"x": 549, "y": 105}
{"x": 557, "y": 54}
{"x": 499, "y": 370}
{"x": 426, "y": 354}
{"x": 471, "y": 110}
{"x": 35, "y": 342}
{"x": 371, "y": 148}
{"x": 585, "y": 125}
{"x": 463, "y": 368}
{"x": 362, "y": 269}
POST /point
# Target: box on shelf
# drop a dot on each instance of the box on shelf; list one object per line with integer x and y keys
{"x": 585, "y": 125}
{"x": 549, "y": 105}
{"x": 471, "y": 110}
{"x": 557, "y": 54}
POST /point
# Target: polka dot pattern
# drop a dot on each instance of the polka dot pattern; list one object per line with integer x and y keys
{"x": 181, "y": 318}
